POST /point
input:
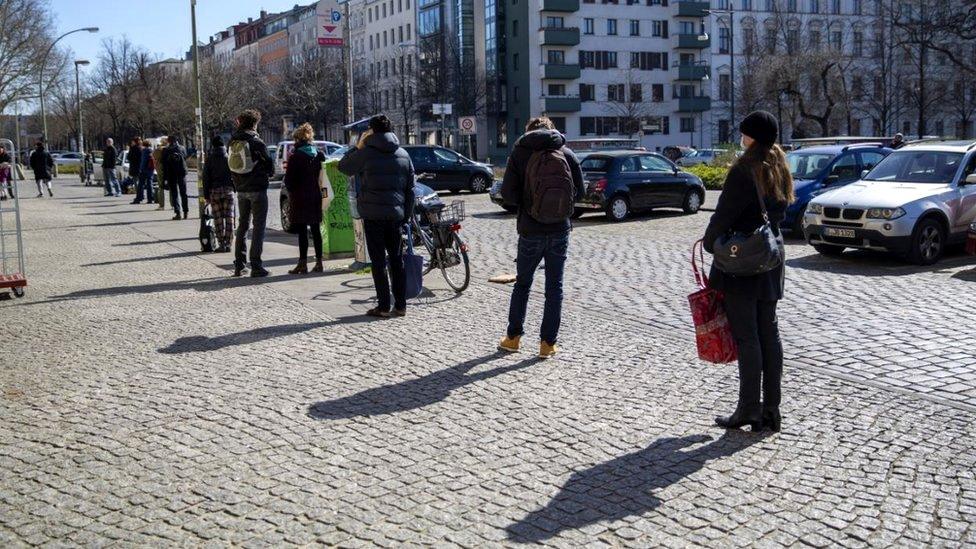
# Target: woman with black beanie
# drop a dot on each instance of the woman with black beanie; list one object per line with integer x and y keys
{"x": 750, "y": 301}
{"x": 218, "y": 189}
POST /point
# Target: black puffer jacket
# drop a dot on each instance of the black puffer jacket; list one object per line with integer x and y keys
{"x": 513, "y": 186}
{"x": 41, "y": 162}
{"x": 385, "y": 191}
{"x": 257, "y": 180}
{"x": 135, "y": 161}
{"x": 216, "y": 174}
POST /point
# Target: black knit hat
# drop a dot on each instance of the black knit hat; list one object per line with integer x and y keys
{"x": 761, "y": 126}
{"x": 216, "y": 141}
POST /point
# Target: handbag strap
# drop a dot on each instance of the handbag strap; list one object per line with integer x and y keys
{"x": 699, "y": 269}
{"x": 409, "y": 239}
{"x": 762, "y": 202}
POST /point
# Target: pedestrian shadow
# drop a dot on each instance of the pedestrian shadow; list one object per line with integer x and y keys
{"x": 966, "y": 276}
{"x": 176, "y": 255}
{"x": 144, "y": 242}
{"x": 412, "y": 393}
{"x": 625, "y": 486}
{"x": 202, "y": 344}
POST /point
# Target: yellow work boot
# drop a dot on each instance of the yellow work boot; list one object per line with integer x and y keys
{"x": 547, "y": 351}
{"x": 510, "y": 344}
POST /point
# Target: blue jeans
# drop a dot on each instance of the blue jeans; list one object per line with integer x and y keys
{"x": 145, "y": 186}
{"x": 532, "y": 250}
{"x": 111, "y": 183}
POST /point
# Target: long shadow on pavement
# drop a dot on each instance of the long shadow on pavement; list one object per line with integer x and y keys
{"x": 176, "y": 255}
{"x": 144, "y": 242}
{"x": 412, "y": 393}
{"x": 624, "y": 486}
{"x": 200, "y": 344}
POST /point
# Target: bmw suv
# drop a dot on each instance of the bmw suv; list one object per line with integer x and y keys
{"x": 914, "y": 203}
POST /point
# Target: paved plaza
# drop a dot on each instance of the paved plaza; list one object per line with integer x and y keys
{"x": 150, "y": 399}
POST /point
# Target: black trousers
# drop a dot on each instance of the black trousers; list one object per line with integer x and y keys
{"x": 383, "y": 244}
{"x": 756, "y": 332}
{"x": 177, "y": 195}
{"x": 303, "y": 242}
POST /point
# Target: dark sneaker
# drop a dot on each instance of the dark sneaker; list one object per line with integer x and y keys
{"x": 258, "y": 272}
{"x": 176, "y": 217}
{"x": 239, "y": 271}
{"x": 186, "y": 215}
{"x": 399, "y": 312}
{"x": 378, "y": 313}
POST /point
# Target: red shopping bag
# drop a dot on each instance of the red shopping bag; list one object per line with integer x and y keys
{"x": 712, "y": 332}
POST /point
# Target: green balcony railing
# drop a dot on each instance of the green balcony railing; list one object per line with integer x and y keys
{"x": 693, "y": 41}
{"x": 560, "y": 5}
{"x": 694, "y": 104}
{"x": 692, "y": 72}
{"x": 561, "y": 72}
{"x": 568, "y": 36}
{"x": 562, "y": 104}
{"x": 692, "y": 9}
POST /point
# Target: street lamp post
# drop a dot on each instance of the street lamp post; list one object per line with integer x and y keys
{"x": 81, "y": 133}
{"x": 731, "y": 13}
{"x": 40, "y": 78}
{"x": 201, "y": 155}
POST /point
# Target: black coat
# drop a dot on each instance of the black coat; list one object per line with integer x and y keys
{"x": 513, "y": 186}
{"x": 174, "y": 169}
{"x": 385, "y": 172}
{"x": 41, "y": 162}
{"x": 109, "y": 157}
{"x": 304, "y": 194}
{"x": 738, "y": 211}
{"x": 258, "y": 179}
{"x": 4, "y": 157}
{"x": 216, "y": 173}
{"x": 135, "y": 161}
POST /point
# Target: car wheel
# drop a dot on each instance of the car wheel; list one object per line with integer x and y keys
{"x": 928, "y": 242}
{"x": 692, "y": 202}
{"x": 617, "y": 209}
{"x": 828, "y": 250}
{"x": 479, "y": 184}
{"x": 577, "y": 213}
{"x": 285, "y": 222}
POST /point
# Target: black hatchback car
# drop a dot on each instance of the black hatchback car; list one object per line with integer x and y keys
{"x": 622, "y": 182}
{"x": 445, "y": 170}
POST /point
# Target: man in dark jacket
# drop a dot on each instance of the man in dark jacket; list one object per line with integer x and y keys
{"x": 251, "y": 181}
{"x": 42, "y": 163}
{"x": 218, "y": 190}
{"x": 146, "y": 173}
{"x": 537, "y": 241}
{"x": 109, "y": 160}
{"x": 135, "y": 167}
{"x": 385, "y": 200}
{"x": 174, "y": 166}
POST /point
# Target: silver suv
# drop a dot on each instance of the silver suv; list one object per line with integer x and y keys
{"x": 915, "y": 202}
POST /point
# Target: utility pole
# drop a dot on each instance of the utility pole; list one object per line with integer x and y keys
{"x": 81, "y": 133}
{"x": 350, "y": 106}
{"x": 201, "y": 156}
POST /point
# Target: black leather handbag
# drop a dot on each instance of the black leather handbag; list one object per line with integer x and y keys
{"x": 750, "y": 254}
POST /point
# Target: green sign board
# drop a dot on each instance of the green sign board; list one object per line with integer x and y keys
{"x": 337, "y": 231}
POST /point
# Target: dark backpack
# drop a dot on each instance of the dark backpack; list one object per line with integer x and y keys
{"x": 549, "y": 187}
{"x": 175, "y": 163}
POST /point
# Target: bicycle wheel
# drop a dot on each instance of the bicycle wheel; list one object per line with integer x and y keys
{"x": 454, "y": 265}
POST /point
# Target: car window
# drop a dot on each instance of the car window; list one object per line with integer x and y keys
{"x": 654, "y": 164}
{"x": 630, "y": 165}
{"x": 595, "y": 164}
{"x": 917, "y": 167}
{"x": 870, "y": 159}
{"x": 807, "y": 165}
{"x": 421, "y": 155}
{"x": 445, "y": 157}
{"x": 845, "y": 168}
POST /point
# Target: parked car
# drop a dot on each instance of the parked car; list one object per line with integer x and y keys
{"x": 338, "y": 153}
{"x": 971, "y": 239}
{"x": 674, "y": 152}
{"x": 699, "y": 156}
{"x": 284, "y": 149}
{"x": 621, "y": 182}
{"x": 495, "y": 192}
{"x": 419, "y": 190}
{"x": 121, "y": 168}
{"x": 915, "y": 202}
{"x": 817, "y": 170}
{"x": 445, "y": 170}
{"x": 68, "y": 159}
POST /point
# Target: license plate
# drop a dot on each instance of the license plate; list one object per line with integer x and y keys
{"x": 839, "y": 233}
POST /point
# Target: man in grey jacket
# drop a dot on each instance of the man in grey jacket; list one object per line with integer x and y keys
{"x": 385, "y": 200}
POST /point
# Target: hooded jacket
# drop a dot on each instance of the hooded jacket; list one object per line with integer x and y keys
{"x": 216, "y": 173}
{"x": 135, "y": 160}
{"x": 385, "y": 189}
{"x": 41, "y": 162}
{"x": 513, "y": 186}
{"x": 257, "y": 180}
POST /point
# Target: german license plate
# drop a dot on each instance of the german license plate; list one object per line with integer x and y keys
{"x": 839, "y": 233}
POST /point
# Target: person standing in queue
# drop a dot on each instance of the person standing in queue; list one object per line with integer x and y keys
{"x": 251, "y": 168}
{"x": 218, "y": 188}
{"x": 385, "y": 199}
{"x": 157, "y": 163}
{"x": 135, "y": 167}
{"x": 174, "y": 164}
{"x": 110, "y": 158}
{"x": 305, "y": 197}
{"x": 750, "y": 301}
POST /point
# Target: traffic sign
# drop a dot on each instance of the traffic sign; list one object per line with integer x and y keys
{"x": 468, "y": 125}
{"x": 441, "y": 108}
{"x": 330, "y": 29}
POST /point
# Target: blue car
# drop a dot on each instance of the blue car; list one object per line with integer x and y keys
{"x": 817, "y": 170}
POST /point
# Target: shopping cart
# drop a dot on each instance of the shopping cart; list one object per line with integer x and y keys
{"x": 12, "y": 274}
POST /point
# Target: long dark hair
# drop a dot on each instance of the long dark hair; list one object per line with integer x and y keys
{"x": 767, "y": 164}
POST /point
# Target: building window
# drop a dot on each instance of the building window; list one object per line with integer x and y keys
{"x": 556, "y": 57}
{"x": 723, "y": 131}
{"x": 588, "y": 25}
{"x": 792, "y": 41}
{"x": 555, "y": 22}
{"x": 611, "y": 27}
{"x": 515, "y": 27}
{"x": 724, "y": 87}
{"x": 791, "y": 6}
{"x": 648, "y": 60}
{"x": 723, "y": 40}
{"x": 587, "y": 125}
{"x": 515, "y": 62}
{"x": 747, "y": 5}
{"x": 687, "y": 124}
{"x": 770, "y": 41}
{"x": 587, "y": 92}
{"x": 659, "y": 29}
{"x": 856, "y": 7}
{"x": 615, "y": 92}
{"x": 657, "y": 93}
{"x": 559, "y": 122}
{"x": 835, "y": 7}
{"x": 836, "y": 40}
{"x": 906, "y": 127}
{"x": 814, "y": 6}
{"x": 815, "y": 40}
{"x": 858, "y": 44}
{"x": 636, "y": 93}
{"x": 515, "y": 94}
{"x": 687, "y": 27}
{"x": 556, "y": 90}
{"x": 634, "y": 27}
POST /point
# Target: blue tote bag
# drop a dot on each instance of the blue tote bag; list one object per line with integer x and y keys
{"x": 413, "y": 268}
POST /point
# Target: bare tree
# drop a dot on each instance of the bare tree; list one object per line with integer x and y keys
{"x": 313, "y": 89}
{"x": 918, "y": 34}
{"x": 117, "y": 76}
{"x": 628, "y": 102}
{"x": 25, "y": 33}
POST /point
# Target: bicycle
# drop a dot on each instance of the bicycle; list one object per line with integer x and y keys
{"x": 437, "y": 225}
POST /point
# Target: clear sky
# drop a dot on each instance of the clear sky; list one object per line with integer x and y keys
{"x": 160, "y": 26}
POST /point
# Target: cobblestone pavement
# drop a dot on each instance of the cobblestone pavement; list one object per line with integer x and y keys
{"x": 183, "y": 407}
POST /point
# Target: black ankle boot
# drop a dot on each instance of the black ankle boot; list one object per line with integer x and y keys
{"x": 740, "y": 419}
{"x": 771, "y": 419}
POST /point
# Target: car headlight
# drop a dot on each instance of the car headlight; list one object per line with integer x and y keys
{"x": 815, "y": 208}
{"x": 885, "y": 213}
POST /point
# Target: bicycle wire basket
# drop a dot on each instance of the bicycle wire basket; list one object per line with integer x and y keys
{"x": 448, "y": 215}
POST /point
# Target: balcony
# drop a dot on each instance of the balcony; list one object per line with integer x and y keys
{"x": 561, "y": 104}
{"x": 565, "y": 36}
{"x": 693, "y": 41}
{"x": 695, "y": 103}
{"x": 692, "y": 9}
{"x": 692, "y": 71}
{"x": 555, "y": 71}
{"x": 560, "y": 5}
